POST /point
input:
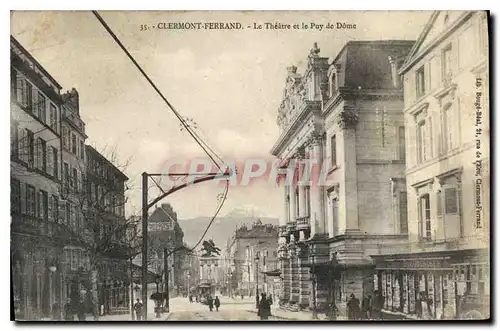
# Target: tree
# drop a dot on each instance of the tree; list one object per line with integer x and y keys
{"x": 93, "y": 217}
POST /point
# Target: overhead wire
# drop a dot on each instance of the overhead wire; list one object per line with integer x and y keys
{"x": 204, "y": 146}
{"x": 172, "y": 108}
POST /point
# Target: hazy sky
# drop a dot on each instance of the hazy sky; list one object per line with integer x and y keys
{"x": 230, "y": 82}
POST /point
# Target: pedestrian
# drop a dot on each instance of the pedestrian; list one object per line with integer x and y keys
{"x": 68, "y": 311}
{"x": 376, "y": 305}
{"x": 190, "y": 298}
{"x": 365, "y": 307}
{"x": 81, "y": 310}
{"x": 270, "y": 302}
{"x": 138, "y": 310}
{"x": 217, "y": 303}
{"x": 353, "y": 308}
{"x": 56, "y": 311}
{"x": 264, "y": 307}
{"x": 210, "y": 303}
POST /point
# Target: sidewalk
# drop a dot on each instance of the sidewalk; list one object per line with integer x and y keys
{"x": 126, "y": 317}
{"x": 282, "y": 314}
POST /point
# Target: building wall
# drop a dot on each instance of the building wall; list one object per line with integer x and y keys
{"x": 33, "y": 214}
{"x": 468, "y": 58}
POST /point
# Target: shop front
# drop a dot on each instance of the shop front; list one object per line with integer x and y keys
{"x": 438, "y": 285}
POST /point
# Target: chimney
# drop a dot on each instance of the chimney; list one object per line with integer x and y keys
{"x": 72, "y": 98}
{"x": 396, "y": 80}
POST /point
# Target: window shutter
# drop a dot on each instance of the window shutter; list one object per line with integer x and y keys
{"x": 23, "y": 198}
{"x": 35, "y": 106}
{"x": 49, "y": 209}
{"x": 50, "y": 160}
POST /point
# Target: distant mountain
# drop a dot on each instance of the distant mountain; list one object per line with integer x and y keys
{"x": 245, "y": 211}
{"x": 223, "y": 227}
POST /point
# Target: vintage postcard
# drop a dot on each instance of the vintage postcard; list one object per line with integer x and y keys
{"x": 250, "y": 165}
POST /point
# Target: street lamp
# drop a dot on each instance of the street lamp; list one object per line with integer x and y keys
{"x": 257, "y": 280}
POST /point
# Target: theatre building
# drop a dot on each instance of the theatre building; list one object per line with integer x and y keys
{"x": 345, "y": 115}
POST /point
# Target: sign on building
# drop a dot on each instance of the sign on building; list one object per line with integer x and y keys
{"x": 160, "y": 226}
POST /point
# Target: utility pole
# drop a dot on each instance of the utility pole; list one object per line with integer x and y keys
{"x": 131, "y": 290}
{"x": 167, "y": 271}
{"x": 144, "y": 270}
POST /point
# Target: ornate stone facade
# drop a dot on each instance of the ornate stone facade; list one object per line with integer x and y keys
{"x": 331, "y": 133}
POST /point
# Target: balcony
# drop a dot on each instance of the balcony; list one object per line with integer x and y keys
{"x": 291, "y": 226}
{"x": 303, "y": 223}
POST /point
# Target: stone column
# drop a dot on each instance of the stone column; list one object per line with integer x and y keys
{"x": 295, "y": 282}
{"x": 285, "y": 266}
{"x": 305, "y": 282}
{"x": 317, "y": 213}
{"x": 302, "y": 190}
{"x": 286, "y": 205}
{"x": 293, "y": 202}
{"x": 349, "y": 189}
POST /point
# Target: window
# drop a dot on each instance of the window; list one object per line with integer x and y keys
{"x": 420, "y": 80}
{"x": 422, "y": 142}
{"x": 401, "y": 144}
{"x": 73, "y": 143}
{"x": 14, "y": 139}
{"x": 308, "y": 200}
{"x": 297, "y": 209}
{"x": 53, "y": 117}
{"x": 447, "y": 65}
{"x": 41, "y": 148}
{"x": 27, "y": 95}
{"x": 15, "y": 196}
{"x": 425, "y": 217}
{"x": 30, "y": 200}
{"x": 74, "y": 181}
{"x": 403, "y": 213}
{"x": 65, "y": 133}
{"x": 74, "y": 259}
{"x": 55, "y": 208}
{"x": 82, "y": 150}
{"x": 449, "y": 128}
{"x": 13, "y": 84}
{"x": 43, "y": 204}
{"x": 55, "y": 162}
{"x": 41, "y": 107}
{"x": 333, "y": 147}
{"x": 66, "y": 177}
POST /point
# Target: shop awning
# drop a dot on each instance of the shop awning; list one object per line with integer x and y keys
{"x": 137, "y": 273}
